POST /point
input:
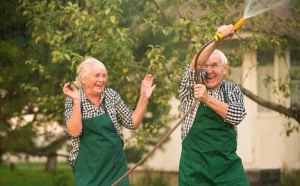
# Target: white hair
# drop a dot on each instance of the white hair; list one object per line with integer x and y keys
{"x": 85, "y": 68}
{"x": 222, "y": 56}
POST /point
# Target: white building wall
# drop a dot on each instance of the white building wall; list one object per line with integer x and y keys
{"x": 247, "y": 136}
{"x": 168, "y": 159}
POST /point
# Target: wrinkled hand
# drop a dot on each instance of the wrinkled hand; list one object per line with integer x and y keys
{"x": 147, "y": 86}
{"x": 226, "y": 30}
{"x": 200, "y": 92}
{"x": 71, "y": 93}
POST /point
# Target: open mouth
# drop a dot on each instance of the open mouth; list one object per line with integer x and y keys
{"x": 99, "y": 85}
{"x": 210, "y": 77}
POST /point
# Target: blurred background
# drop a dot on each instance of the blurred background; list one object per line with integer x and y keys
{"x": 43, "y": 42}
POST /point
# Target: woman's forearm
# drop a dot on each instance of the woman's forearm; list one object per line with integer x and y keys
{"x": 75, "y": 125}
{"x": 138, "y": 113}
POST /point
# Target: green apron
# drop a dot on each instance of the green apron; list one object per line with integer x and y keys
{"x": 208, "y": 156}
{"x": 101, "y": 159}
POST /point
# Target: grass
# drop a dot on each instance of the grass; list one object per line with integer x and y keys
{"x": 34, "y": 175}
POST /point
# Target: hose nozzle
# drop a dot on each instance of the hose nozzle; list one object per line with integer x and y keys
{"x": 235, "y": 28}
{"x": 239, "y": 24}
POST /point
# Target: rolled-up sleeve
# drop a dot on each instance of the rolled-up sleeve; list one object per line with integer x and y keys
{"x": 124, "y": 114}
{"x": 236, "y": 108}
{"x": 186, "y": 91}
{"x": 68, "y": 112}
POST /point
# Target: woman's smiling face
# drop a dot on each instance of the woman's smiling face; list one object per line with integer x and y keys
{"x": 215, "y": 71}
{"x": 95, "y": 81}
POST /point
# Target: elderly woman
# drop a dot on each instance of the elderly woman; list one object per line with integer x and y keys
{"x": 93, "y": 116}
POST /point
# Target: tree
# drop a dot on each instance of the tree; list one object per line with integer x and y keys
{"x": 13, "y": 74}
{"x": 131, "y": 38}
{"x": 63, "y": 34}
{"x": 203, "y": 17}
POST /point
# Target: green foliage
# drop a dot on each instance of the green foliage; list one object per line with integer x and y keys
{"x": 289, "y": 177}
{"x": 290, "y": 128}
{"x": 14, "y": 75}
{"x": 63, "y": 35}
{"x": 43, "y": 42}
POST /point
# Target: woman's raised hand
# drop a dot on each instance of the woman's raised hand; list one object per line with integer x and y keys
{"x": 71, "y": 92}
{"x": 147, "y": 86}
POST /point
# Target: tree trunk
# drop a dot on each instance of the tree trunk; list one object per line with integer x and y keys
{"x": 1, "y": 154}
{"x": 50, "y": 165}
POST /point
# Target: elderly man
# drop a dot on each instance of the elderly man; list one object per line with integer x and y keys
{"x": 208, "y": 156}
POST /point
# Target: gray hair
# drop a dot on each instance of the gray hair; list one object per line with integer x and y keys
{"x": 222, "y": 56}
{"x": 84, "y": 69}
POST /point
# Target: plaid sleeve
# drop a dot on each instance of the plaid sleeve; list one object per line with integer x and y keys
{"x": 186, "y": 91}
{"x": 236, "y": 109}
{"x": 68, "y": 112}
{"x": 124, "y": 114}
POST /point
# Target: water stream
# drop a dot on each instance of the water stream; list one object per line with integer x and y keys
{"x": 255, "y": 7}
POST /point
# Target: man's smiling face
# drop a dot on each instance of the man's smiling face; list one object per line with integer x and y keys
{"x": 215, "y": 71}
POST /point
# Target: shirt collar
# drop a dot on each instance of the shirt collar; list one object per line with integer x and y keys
{"x": 217, "y": 90}
{"x": 83, "y": 97}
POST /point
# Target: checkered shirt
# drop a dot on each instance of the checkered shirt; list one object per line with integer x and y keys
{"x": 236, "y": 110}
{"x": 119, "y": 113}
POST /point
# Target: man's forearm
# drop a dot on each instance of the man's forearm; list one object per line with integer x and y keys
{"x": 218, "y": 106}
{"x": 205, "y": 54}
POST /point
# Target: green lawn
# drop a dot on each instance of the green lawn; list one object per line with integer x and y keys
{"x": 33, "y": 175}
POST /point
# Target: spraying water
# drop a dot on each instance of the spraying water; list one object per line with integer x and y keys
{"x": 255, "y": 7}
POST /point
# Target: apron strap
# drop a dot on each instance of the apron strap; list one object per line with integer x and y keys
{"x": 103, "y": 105}
{"x": 224, "y": 93}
